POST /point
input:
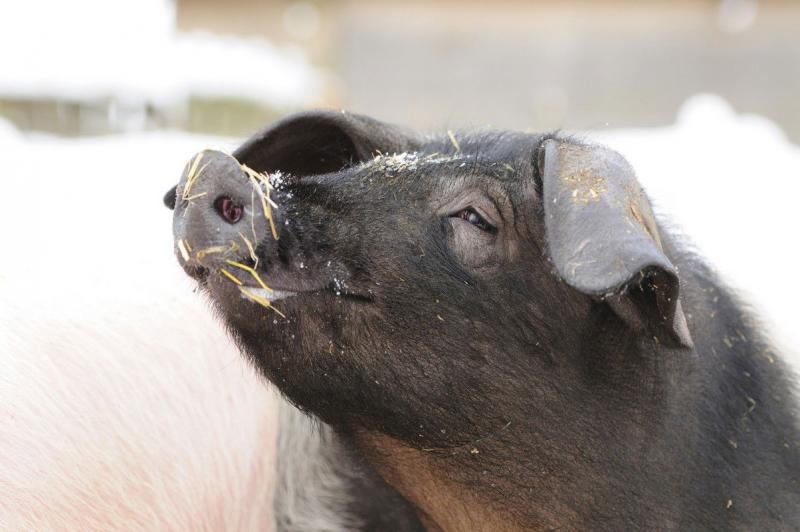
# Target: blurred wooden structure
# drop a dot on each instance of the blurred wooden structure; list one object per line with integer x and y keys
{"x": 534, "y": 64}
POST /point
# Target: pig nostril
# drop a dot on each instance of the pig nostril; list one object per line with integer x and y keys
{"x": 229, "y": 210}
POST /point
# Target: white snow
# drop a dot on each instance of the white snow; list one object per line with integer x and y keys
{"x": 97, "y": 199}
{"x": 130, "y": 52}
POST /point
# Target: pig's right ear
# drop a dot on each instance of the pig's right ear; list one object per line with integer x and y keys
{"x": 603, "y": 238}
{"x": 319, "y": 142}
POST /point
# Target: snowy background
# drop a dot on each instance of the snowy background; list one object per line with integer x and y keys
{"x": 730, "y": 181}
{"x": 129, "y": 51}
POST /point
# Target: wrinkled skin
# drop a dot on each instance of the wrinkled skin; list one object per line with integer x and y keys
{"x": 431, "y": 327}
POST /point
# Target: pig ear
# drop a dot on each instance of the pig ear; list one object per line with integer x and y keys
{"x": 604, "y": 241}
{"x": 319, "y": 142}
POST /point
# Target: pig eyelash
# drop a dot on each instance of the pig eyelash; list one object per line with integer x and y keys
{"x": 473, "y": 217}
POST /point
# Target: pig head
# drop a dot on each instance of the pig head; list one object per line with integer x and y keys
{"x": 493, "y": 318}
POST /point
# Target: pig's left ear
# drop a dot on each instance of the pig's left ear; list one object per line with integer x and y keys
{"x": 323, "y": 141}
{"x": 604, "y": 241}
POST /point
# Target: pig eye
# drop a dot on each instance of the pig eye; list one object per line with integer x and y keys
{"x": 471, "y": 215}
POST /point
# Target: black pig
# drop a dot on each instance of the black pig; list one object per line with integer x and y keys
{"x": 497, "y": 324}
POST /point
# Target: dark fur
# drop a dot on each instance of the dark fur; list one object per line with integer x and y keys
{"x": 578, "y": 419}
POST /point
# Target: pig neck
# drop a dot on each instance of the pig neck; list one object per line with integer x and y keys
{"x": 645, "y": 436}
{"x": 442, "y": 504}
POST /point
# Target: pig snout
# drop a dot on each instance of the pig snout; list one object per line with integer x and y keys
{"x": 222, "y": 211}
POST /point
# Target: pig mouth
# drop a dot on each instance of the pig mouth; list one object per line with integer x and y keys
{"x": 224, "y": 290}
{"x": 277, "y": 295}
{"x": 271, "y": 295}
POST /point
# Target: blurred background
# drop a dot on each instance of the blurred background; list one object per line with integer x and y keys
{"x": 101, "y": 97}
{"x": 90, "y": 67}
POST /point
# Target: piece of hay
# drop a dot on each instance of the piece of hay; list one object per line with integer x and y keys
{"x": 230, "y": 276}
{"x": 261, "y": 301}
{"x": 193, "y": 175}
{"x": 251, "y": 249}
{"x": 251, "y": 271}
{"x": 184, "y": 252}
{"x": 200, "y": 195}
{"x": 258, "y": 179}
{"x": 453, "y": 140}
{"x": 232, "y": 247}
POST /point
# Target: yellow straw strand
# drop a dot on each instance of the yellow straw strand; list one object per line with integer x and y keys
{"x": 261, "y": 301}
{"x": 257, "y": 179}
{"x": 250, "y": 248}
{"x": 182, "y": 249}
{"x": 230, "y": 248}
{"x": 200, "y": 195}
{"x": 251, "y": 271}
{"x": 453, "y": 140}
{"x": 191, "y": 176}
{"x": 230, "y": 276}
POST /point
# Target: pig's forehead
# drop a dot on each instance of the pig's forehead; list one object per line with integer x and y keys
{"x": 499, "y": 156}
{"x": 504, "y": 156}
{"x": 411, "y": 168}
{"x": 486, "y": 145}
